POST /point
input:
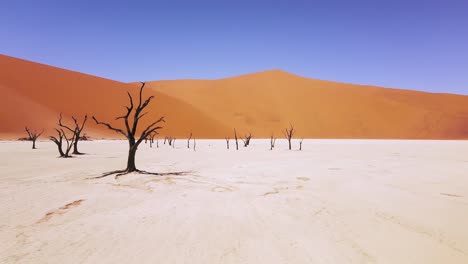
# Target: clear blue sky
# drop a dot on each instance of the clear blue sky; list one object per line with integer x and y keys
{"x": 420, "y": 45}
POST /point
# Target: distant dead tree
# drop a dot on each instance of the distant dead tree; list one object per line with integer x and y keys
{"x": 33, "y": 136}
{"x": 188, "y": 141}
{"x": 59, "y": 142}
{"x": 194, "y": 145}
{"x": 85, "y": 137}
{"x": 300, "y": 143}
{"x": 169, "y": 140}
{"x": 76, "y": 131}
{"x": 227, "y": 142}
{"x": 235, "y": 136}
{"x": 246, "y": 140}
{"x": 152, "y": 139}
{"x": 165, "y": 139}
{"x": 288, "y": 134}
{"x": 173, "y": 142}
{"x": 272, "y": 142}
{"x": 157, "y": 143}
{"x": 131, "y": 130}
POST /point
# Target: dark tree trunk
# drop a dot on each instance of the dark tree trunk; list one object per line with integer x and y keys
{"x": 289, "y": 141}
{"x": 34, "y": 144}
{"x": 131, "y": 167}
{"x": 59, "y": 146}
{"x": 75, "y": 147}
{"x": 235, "y": 136}
{"x": 188, "y": 141}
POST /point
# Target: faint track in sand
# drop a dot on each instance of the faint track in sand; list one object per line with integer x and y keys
{"x": 59, "y": 211}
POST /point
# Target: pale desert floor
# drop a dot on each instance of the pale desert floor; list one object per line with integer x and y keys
{"x": 337, "y": 201}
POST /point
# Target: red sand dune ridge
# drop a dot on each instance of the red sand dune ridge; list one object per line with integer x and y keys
{"x": 263, "y": 103}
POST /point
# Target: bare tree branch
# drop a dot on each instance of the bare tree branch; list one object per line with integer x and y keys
{"x": 64, "y": 126}
{"x": 110, "y": 127}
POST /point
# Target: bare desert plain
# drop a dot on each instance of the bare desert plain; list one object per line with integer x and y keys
{"x": 336, "y": 201}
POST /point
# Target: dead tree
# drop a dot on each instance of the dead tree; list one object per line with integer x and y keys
{"x": 173, "y": 142}
{"x": 130, "y": 131}
{"x": 165, "y": 139}
{"x": 227, "y": 142}
{"x": 33, "y": 136}
{"x": 59, "y": 142}
{"x": 76, "y": 131}
{"x": 235, "y": 136}
{"x": 246, "y": 140}
{"x": 272, "y": 142}
{"x": 194, "y": 145}
{"x": 152, "y": 139}
{"x": 157, "y": 143}
{"x": 169, "y": 140}
{"x": 288, "y": 134}
{"x": 300, "y": 143}
{"x": 188, "y": 141}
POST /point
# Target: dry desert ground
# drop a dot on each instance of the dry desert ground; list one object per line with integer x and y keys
{"x": 337, "y": 201}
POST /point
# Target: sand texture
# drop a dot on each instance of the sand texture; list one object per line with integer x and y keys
{"x": 337, "y": 201}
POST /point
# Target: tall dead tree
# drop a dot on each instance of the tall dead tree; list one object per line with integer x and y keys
{"x": 235, "y": 136}
{"x": 289, "y": 133}
{"x": 33, "y": 136}
{"x": 272, "y": 142}
{"x": 300, "y": 143}
{"x": 227, "y": 142}
{"x": 130, "y": 131}
{"x": 246, "y": 140}
{"x": 188, "y": 141}
{"x": 59, "y": 142}
{"x": 76, "y": 131}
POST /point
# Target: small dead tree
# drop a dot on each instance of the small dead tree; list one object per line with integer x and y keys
{"x": 194, "y": 145}
{"x": 246, "y": 140}
{"x": 152, "y": 139}
{"x": 173, "y": 143}
{"x": 76, "y": 131}
{"x": 131, "y": 130}
{"x": 165, "y": 139}
{"x": 33, "y": 136}
{"x": 272, "y": 142}
{"x": 157, "y": 143}
{"x": 235, "y": 136}
{"x": 289, "y": 133}
{"x": 227, "y": 142}
{"x": 300, "y": 143}
{"x": 169, "y": 140}
{"x": 59, "y": 142}
{"x": 188, "y": 141}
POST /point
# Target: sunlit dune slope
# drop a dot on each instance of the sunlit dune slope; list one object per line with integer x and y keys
{"x": 34, "y": 94}
{"x": 267, "y": 102}
{"x": 263, "y": 103}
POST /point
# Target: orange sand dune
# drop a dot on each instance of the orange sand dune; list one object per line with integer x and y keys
{"x": 266, "y": 102}
{"x": 34, "y": 94}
